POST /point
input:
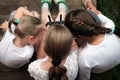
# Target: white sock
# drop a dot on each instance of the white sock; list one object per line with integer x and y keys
{"x": 45, "y": 5}
{"x": 62, "y": 5}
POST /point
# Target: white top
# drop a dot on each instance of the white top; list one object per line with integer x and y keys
{"x": 99, "y": 58}
{"x": 11, "y": 55}
{"x": 71, "y": 65}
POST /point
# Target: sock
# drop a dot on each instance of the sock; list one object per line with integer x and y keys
{"x": 45, "y": 5}
{"x": 62, "y": 5}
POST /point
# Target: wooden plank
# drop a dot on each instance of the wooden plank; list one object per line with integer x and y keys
{"x": 15, "y": 76}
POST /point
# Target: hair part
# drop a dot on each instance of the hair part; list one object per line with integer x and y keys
{"x": 58, "y": 43}
{"x": 28, "y": 25}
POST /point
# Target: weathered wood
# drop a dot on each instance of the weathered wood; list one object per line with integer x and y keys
{"x": 7, "y": 73}
{"x": 15, "y": 75}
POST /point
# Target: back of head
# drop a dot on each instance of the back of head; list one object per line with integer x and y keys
{"x": 82, "y": 23}
{"x": 27, "y": 25}
{"x": 58, "y": 43}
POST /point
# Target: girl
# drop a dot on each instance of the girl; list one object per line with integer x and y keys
{"x": 60, "y": 63}
{"x": 47, "y": 20}
{"x": 16, "y": 45}
{"x": 100, "y": 48}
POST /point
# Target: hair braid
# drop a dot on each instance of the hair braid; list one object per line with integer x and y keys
{"x": 82, "y": 23}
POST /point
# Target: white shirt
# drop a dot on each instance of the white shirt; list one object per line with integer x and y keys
{"x": 106, "y": 22}
{"x": 102, "y": 57}
{"x": 71, "y": 65}
{"x": 11, "y": 55}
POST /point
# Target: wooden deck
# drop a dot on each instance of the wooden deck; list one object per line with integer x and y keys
{"x": 7, "y": 73}
{"x": 6, "y": 6}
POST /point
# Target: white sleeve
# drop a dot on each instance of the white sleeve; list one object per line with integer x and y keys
{"x": 84, "y": 74}
{"x": 106, "y": 22}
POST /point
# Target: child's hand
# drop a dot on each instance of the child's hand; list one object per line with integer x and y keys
{"x": 4, "y": 26}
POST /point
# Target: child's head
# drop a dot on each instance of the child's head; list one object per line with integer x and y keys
{"x": 58, "y": 43}
{"x": 82, "y": 23}
{"x": 27, "y": 26}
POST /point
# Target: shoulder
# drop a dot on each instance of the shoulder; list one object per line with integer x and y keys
{"x": 33, "y": 68}
{"x": 71, "y": 65}
{"x": 33, "y": 65}
{"x": 73, "y": 53}
{"x": 72, "y": 59}
{"x": 35, "y": 71}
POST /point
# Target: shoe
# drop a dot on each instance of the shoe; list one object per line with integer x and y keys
{"x": 85, "y": 2}
{"x": 46, "y": 1}
{"x": 61, "y": 1}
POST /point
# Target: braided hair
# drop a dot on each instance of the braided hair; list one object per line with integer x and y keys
{"x": 82, "y": 23}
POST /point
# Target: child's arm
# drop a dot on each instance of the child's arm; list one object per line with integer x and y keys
{"x": 22, "y": 11}
{"x": 106, "y": 22}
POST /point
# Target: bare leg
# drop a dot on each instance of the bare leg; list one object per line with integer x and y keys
{"x": 44, "y": 15}
{"x": 45, "y": 12}
{"x": 62, "y": 10}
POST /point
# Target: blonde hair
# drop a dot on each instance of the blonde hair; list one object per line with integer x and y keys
{"x": 27, "y": 25}
{"x": 58, "y": 43}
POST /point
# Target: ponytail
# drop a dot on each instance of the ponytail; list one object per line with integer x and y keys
{"x": 57, "y": 73}
{"x": 57, "y": 46}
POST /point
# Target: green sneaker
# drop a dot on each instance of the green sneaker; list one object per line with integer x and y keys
{"x": 46, "y": 1}
{"x": 62, "y": 1}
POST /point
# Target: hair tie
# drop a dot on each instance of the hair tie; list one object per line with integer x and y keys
{"x": 16, "y": 22}
{"x": 56, "y": 62}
